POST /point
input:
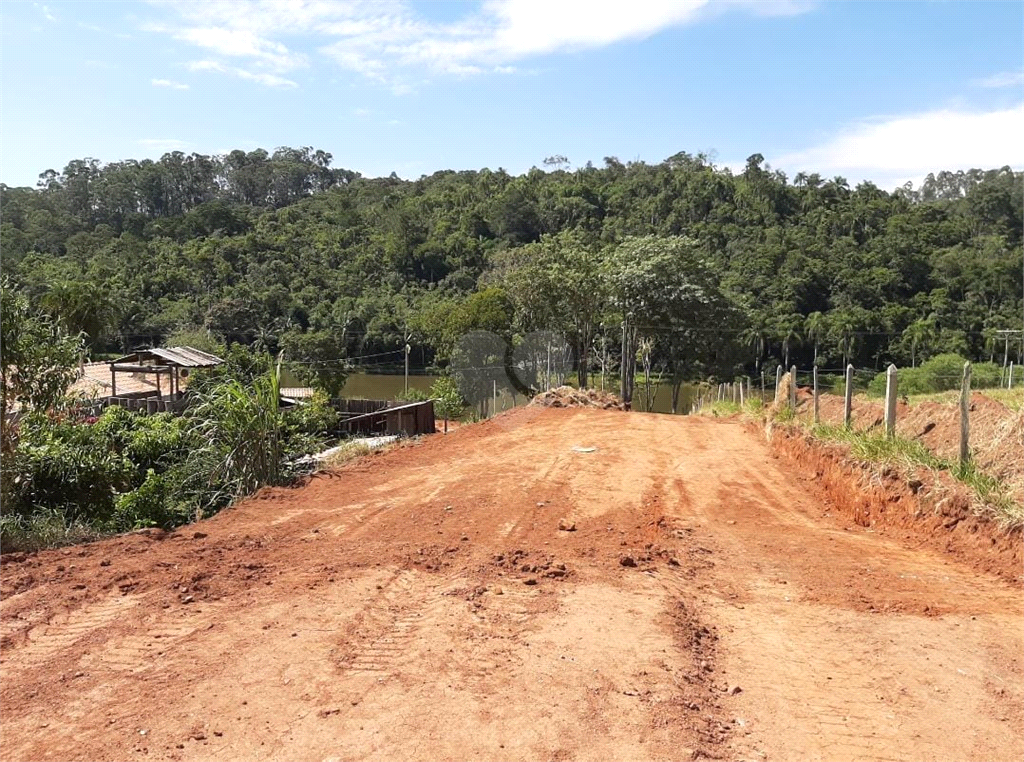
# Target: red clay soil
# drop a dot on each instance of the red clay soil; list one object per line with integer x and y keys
{"x": 996, "y": 437}
{"x": 422, "y": 603}
{"x": 928, "y": 509}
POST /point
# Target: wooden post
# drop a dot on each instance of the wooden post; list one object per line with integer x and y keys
{"x": 113, "y": 382}
{"x": 778, "y": 381}
{"x": 848, "y": 402}
{"x": 495, "y": 410}
{"x": 817, "y": 417}
{"x": 1009, "y": 380}
{"x": 965, "y": 424}
{"x": 890, "y": 401}
{"x": 762, "y": 387}
{"x": 158, "y": 392}
{"x": 741, "y": 392}
{"x": 792, "y": 388}
{"x": 1006, "y": 350}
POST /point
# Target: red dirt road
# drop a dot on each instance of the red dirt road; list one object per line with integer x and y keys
{"x": 423, "y": 604}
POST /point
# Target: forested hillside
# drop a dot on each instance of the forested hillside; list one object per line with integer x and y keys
{"x": 289, "y": 252}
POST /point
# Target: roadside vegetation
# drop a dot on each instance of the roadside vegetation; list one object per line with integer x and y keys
{"x": 68, "y": 476}
{"x": 993, "y": 497}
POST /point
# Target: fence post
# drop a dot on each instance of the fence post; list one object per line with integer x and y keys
{"x": 792, "y": 388}
{"x": 965, "y": 424}
{"x": 848, "y": 401}
{"x": 741, "y": 392}
{"x": 494, "y": 412}
{"x": 1009, "y": 380}
{"x": 762, "y": 387}
{"x": 814, "y": 375}
{"x": 778, "y": 381}
{"x": 890, "y": 401}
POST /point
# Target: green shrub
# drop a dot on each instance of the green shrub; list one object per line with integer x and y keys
{"x": 938, "y": 374}
{"x": 68, "y": 466}
{"x": 156, "y": 502}
{"x": 448, "y": 400}
{"x": 412, "y": 395}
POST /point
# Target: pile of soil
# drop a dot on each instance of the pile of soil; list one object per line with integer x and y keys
{"x": 567, "y": 396}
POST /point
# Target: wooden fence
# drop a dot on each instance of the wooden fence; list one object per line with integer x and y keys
{"x": 371, "y": 417}
{"x": 380, "y": 417}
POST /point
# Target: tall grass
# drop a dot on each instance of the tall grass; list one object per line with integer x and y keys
{"x": 871, "y": 447}
{"x": 242, "y": 432}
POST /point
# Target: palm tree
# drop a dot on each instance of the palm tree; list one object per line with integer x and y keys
{"x": 816, "y": 328}
{"x": 918, "y": 333}
{"x": 790, "y": 334}
{"x": 82, "y": 308}
{"x": 844, "y": 328}
{"x": 757, "y": 335}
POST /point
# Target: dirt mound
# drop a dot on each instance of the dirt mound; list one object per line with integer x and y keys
{"x": 567, "y": 396}
{"x": 997, "y": 435}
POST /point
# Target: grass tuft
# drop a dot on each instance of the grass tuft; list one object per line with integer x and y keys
{"x": 45, "y": 529}
{"x": 871, "y": 447}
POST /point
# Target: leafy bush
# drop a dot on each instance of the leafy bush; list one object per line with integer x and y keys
{"x": 156, "y": 502}
{"x": 308, "y": 426}
{"x": 448, "y": 400}
{"x": 68, "y": 466}
{"x": 149, "y": 441}
{"x": 940, "y": 373}
{"x": 412, "y": 395}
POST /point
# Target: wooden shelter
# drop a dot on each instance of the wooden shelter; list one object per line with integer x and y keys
{"x": 174, "y": 362}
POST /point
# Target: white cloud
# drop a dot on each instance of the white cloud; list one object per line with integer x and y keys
{"x": 270, "y": 80}
{"x": 168, "y": 83}
{"x": 389, "y": 42}
{"x": 893, "y": 150}
{"x": 241, "y": 43}
{"x": 263, "y": 78}
{"x": 163, "y": 145}
{"x": 47, "y": 14}
{"x": 362, "y": 111}
{"x": 1002, "y": 79}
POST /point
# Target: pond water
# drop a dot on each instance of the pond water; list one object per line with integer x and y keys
{"x": 375, "y": 386}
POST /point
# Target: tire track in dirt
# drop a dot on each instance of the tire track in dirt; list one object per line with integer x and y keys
{"x": 383, "y": 612}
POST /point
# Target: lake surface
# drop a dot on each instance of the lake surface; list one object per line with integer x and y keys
{"x": 374, "y": 386}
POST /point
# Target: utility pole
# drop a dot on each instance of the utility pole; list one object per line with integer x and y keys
{"x": 408, "y": 338}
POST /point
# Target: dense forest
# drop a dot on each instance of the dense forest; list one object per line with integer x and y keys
{"x": 282, "y": 251}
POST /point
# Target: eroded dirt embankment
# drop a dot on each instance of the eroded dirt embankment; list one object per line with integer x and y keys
{"x": 928, "y": 509}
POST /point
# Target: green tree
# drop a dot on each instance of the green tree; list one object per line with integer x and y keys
{"x": 318, "y": 358}
{"x": 38, "y": 362}
{"x": 667, "y": 290}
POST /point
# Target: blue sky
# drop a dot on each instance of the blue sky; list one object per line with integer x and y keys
{"x": 878, "y": 91}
